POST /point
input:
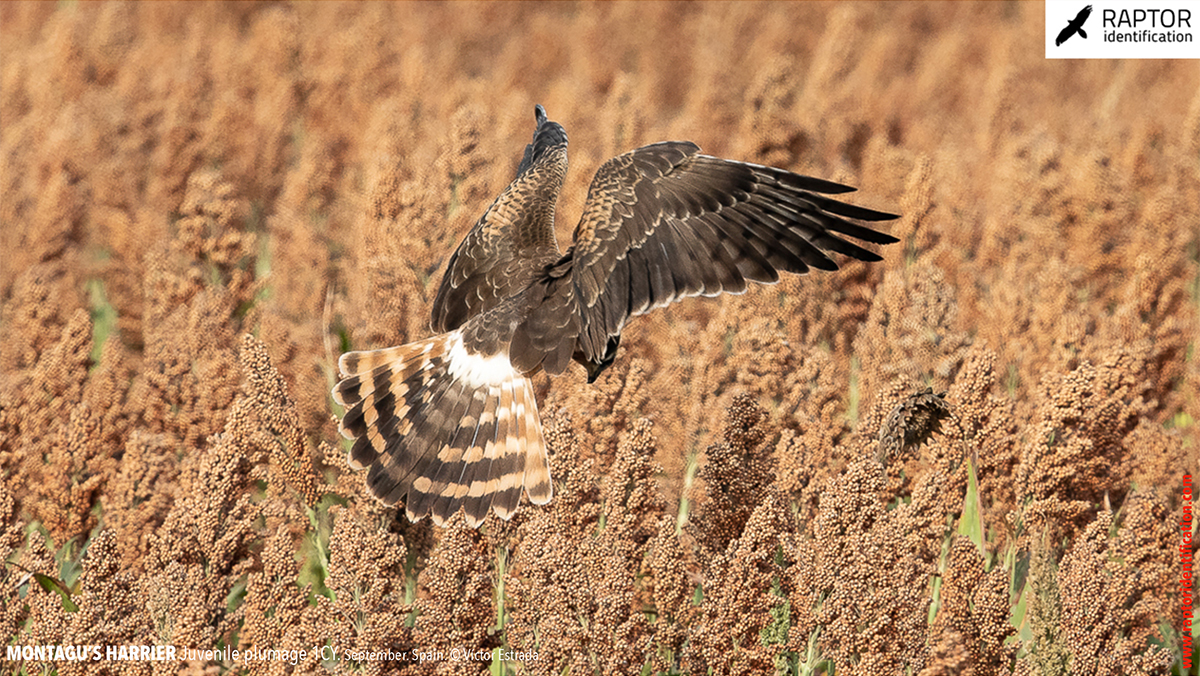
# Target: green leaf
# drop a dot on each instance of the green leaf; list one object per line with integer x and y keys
{"x": 53, "y": 585}
{"x": 971, "y": 522}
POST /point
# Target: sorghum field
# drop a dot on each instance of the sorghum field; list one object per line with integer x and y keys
{"x": 203, "y": 205}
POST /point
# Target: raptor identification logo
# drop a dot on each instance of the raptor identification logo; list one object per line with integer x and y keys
{"x": 1122, "y": 29}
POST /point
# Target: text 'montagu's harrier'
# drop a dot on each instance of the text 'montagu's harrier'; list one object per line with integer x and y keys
{"x": 451, "y": 420}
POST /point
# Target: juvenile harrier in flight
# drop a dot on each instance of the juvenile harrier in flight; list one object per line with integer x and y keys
{"x": 451, "y": 420}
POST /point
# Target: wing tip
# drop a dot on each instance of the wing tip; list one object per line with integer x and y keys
{"x": 879, "y": 216}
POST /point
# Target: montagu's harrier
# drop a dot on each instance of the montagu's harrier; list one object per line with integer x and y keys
{"x": 451, "y": 420}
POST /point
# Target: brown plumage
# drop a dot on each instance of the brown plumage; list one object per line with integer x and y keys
{"x": 451, "y": 421}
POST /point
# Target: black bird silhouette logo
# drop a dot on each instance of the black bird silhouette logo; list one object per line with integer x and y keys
{"x": 1075, "y": 26}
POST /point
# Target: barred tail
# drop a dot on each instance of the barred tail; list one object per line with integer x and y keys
{"x": 445, "y": 427}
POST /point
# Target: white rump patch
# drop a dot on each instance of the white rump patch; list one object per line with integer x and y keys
{"x": 476, "y": 370}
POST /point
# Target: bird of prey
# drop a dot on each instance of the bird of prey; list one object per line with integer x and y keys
{"x": 451, "y": 421}
{"x": 1074, "y": 26}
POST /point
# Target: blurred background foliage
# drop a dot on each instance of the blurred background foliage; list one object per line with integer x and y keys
{"x": 202, "y": 205}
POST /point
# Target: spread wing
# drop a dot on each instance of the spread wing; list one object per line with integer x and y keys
{"x": 493, "y": 261}
{"x": 664, "y": 222}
